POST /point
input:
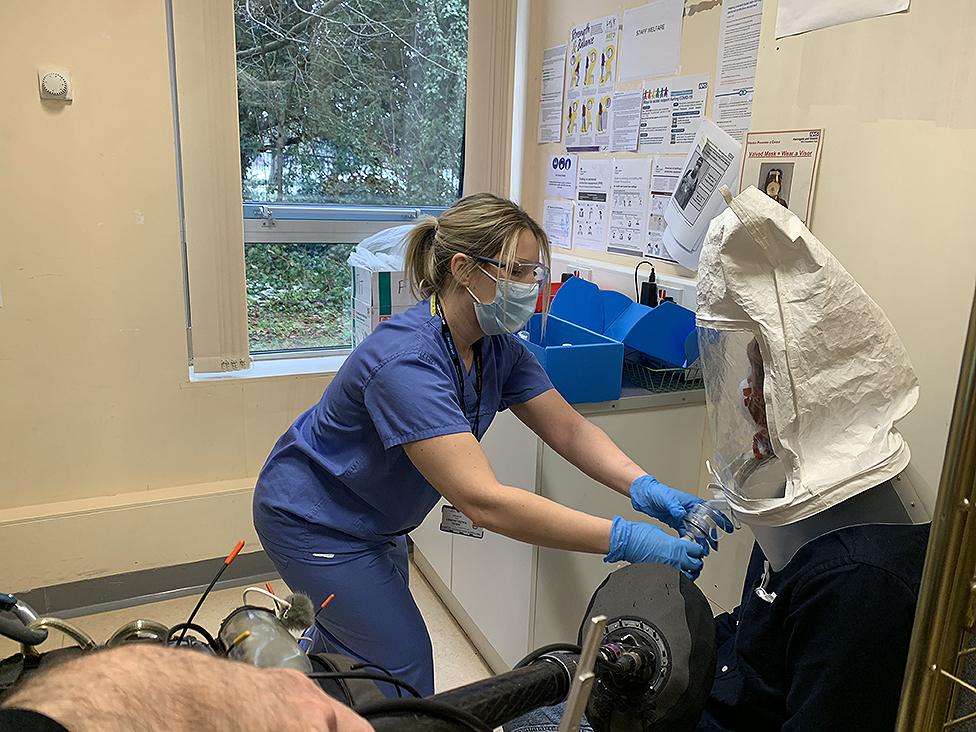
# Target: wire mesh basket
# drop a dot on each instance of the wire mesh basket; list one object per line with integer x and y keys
{"x": 656, "y": 379}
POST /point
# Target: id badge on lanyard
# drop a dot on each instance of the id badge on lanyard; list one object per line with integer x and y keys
{"x": 435, "y": 309}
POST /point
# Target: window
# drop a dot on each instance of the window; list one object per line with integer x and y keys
{"x": 351, "y": 118}
{"x": 296, "y": 296}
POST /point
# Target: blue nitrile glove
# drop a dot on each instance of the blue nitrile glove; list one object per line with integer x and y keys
{"x": 634, "y": 542}
{"x": 702, "y": 523}
{"x": 649, "y": 495}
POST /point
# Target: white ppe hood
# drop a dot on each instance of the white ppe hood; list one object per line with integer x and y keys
{"x": 837, "y": 376}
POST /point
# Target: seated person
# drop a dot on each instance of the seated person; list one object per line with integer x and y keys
{"x": 807, "y": 455}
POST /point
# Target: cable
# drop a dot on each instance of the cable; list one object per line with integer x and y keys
{"x": 261, "y": 591}
{"x": 196, "y": 629}
{"x": 551, "y": 648}
{"x": 380, "y": 669}
{"x": 227, "y": 562}
{"x": 366, "y": 676}
{"x": 422, "y": 706}
{"x": 636, "y": 270}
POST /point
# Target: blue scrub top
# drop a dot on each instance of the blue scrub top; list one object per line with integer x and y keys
{"x": 340, "y": 477}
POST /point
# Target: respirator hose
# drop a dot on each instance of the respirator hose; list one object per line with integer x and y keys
{"x": 506, "y": 697}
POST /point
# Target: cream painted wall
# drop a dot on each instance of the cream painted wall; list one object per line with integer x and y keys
{"x": 551, "y": 21}
{"x": 95, "y": 397}
{"x": 894, "y": 200}
{"x": 894, "y": 197}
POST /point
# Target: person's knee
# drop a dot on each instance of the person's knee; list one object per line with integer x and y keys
{"x": 546, "y": 719}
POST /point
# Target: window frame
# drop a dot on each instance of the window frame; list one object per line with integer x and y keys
{"x": 202, "y": 47}
{"x": 308, "y": 223}
{"x": 311, "y": 223}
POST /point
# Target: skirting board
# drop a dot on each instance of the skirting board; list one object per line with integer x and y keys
{"x": 102, "y": 594}
{"x": 58, "y": 543}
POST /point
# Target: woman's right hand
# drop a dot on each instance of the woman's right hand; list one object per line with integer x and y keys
{"x": 636, "y": 542}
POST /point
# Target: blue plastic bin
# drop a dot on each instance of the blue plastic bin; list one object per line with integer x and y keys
{"x": 666, "y": 335}
{"x": 583, "y": 366}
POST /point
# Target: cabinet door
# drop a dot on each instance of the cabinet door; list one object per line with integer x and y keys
{"x": 492, "y": 577}
{"x": 664, "y": 441}
{"x": 434, "y": 544}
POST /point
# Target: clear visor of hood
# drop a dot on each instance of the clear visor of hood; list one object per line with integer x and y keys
{"x": 744, "y": 460}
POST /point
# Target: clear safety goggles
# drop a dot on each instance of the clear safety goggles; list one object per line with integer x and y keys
{"x": 526, "y": 272}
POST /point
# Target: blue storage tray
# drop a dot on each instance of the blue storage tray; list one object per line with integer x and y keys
{"x": 665, "y": 334}
{"x": 588, "y": 369}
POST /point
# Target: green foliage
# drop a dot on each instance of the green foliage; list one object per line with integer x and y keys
{"x": 352, "y": 101}
{"x": 341, "y": 101}
{"x": 298, "y": 295}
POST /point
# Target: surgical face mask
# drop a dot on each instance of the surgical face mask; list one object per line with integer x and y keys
{"x": 511, "y": 309}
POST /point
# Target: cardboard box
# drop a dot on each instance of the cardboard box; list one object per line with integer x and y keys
{"x": 365, "y": 319}
{"x": 382, "y": 290}
{"x": 377, "y": 296}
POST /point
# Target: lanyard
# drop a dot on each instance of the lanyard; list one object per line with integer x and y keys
{"x": 435, "y": 307}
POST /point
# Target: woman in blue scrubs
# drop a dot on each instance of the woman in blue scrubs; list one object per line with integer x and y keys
{"x": 399, "y": 427}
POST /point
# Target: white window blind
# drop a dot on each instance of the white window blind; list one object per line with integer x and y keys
{"x": 209, "y": 152}
{"x": 490, "y": 96}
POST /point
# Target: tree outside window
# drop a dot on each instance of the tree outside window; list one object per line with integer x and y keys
{"x": 351, "y": 102}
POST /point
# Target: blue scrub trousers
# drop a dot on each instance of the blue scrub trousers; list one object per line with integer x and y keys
{"x": 373, "y": 617}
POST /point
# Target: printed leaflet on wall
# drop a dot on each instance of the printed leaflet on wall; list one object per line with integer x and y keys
{"x": 688, "y": 97}
{"x": 629, "y": 192}
{"x": 671, "y": 112}
{"x": 664, "y": 179}
{"x": 625, "y": 121}
{"x": 558, "y": 223}
{"x": 592, "y": 209}
{"x": 551, "y": 94}
{"x": 590, "y": 72}
{"x": 655, "y": 118}
{"x": 784, "y": 166}
{"x": 735, "y": 77}
{"x": 561, "y": 176}
{"x": 800, "y": 16}
{"x": 713, "y": 162}
{"x": 650, "y": 41}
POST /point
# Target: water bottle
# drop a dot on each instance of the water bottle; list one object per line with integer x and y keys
{"x": 702, "y": 522}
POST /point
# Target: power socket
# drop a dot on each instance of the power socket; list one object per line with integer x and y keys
{"x": 681, "y": 290}
{"x": 584, "y": 273}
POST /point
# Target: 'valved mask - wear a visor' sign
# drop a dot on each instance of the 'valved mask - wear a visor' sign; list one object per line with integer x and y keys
{"x": 805, "y": 377}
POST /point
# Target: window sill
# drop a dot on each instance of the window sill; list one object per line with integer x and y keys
{"x": 277, "y": 367}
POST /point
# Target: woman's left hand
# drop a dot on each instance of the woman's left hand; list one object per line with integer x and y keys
{"x": 649, "y": 495}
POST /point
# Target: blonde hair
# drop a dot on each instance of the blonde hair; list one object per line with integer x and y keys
{"x": 480, "y": 225}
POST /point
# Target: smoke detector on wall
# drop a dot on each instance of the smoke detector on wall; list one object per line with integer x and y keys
{"x": 54, "y": 83}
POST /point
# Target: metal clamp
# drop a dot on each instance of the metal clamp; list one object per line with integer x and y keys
{"x": 579, "y": 692}
{"x": 267, "y": 216}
